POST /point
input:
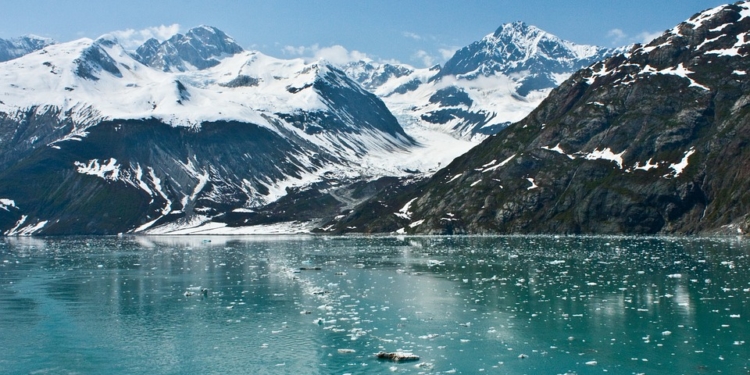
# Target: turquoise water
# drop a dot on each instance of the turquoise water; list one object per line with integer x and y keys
{"x": 470, "y": 305}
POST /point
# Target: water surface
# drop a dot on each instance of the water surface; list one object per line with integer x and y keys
{"x": 505, "y": 305}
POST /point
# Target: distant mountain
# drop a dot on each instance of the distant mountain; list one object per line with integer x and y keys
{"x": 484, "y": 87}
{"x": 14, "y": 48}
{"x": 649, "y": 141}
{"x": 537, "y": 59}
{"x": 203, "y": 136}
{"x": 200, "y": 48}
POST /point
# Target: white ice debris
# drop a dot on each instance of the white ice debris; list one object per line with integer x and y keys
{"x": 606, "y": 154}
{"x": 679, "y": 167}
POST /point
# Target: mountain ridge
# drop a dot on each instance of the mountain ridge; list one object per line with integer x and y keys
{"x": 646, "y": 142}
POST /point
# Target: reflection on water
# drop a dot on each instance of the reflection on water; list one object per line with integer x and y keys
{"x": 318, "y": 305}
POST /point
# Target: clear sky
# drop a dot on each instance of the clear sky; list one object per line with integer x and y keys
{"x": 418, "y": 32}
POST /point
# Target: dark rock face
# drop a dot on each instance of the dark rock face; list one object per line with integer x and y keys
{"x": 69, "y": 172}
{"x": 372, "y": 76}
{"x": 652, "y": 141}
{"x": 199, "y": 47}
{"x": 17, "y": 47}
{"x": 94, "y": 60}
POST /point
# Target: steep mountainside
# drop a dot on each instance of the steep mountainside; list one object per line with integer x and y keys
{"x": 94, "y": 141}
{"x": 650, "y": 141}
{"x": 484, "y": 87}
{"x": 14, "y": 48}
{"x": 201, "y": 47}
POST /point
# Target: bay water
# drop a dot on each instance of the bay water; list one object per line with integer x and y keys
{"x": 327, "y": 305}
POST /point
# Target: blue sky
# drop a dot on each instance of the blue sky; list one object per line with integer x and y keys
{"x": 418, "y": 32}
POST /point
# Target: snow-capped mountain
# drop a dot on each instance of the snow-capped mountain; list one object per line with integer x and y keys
{"x": 17, "y": 47}
{"x": 535, "y": 59}
{"x": 200, "y": 48}
{"x": 484, "y": 87}
{"x": 94, "y": 141}
{"x": 651, "y": 141}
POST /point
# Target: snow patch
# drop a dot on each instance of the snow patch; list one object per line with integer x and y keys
{"x": 404, "y": 211}
{"x": 502, "y": 164}
{"x": 558, "y": 150}
{"x": 28, "y": 230}
{"x": 605, "y": 154}
{"x": 646, "y": 167}
{"x": 7, "y": 204}
{"x": 533, "y": 184}
{"x": 107, "y": 170}
{"x": 679, "y": 167}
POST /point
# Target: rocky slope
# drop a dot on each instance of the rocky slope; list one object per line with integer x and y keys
{"x": 94, "y": 141}
{"x": 649, "y": 141}
{"x": 484, "y": 87}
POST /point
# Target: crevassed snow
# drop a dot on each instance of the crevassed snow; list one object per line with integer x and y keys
{"x": 605, "y": 154}
{"x": 679, "y": 167}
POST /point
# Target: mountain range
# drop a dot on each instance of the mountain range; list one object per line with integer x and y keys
{"x": 484, "y": 87}
{"x": 651, "y": 141}
{"x": 194, "y": 134}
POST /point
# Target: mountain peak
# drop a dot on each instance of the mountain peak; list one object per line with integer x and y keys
{"x": 199, "y": 48}
{"x": 518, "y": 47}
{"x": 17, "y": 47}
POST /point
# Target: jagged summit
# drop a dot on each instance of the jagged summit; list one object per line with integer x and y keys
{"x": 199, "y": 48}
{"x": 16, "y": 47}
{"x": 518, "y": 47}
